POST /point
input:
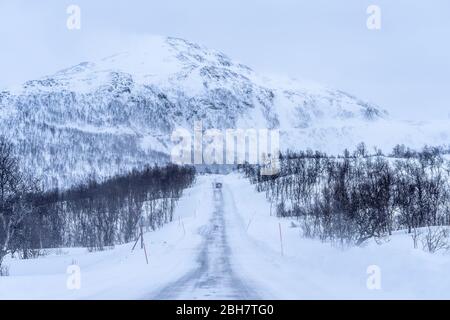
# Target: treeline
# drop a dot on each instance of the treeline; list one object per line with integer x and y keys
{"x": 98, "y": 215}
{"x": 358, "y": 196}
{"x": 94, "y": 215}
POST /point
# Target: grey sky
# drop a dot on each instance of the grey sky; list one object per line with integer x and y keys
{"x": 404, "y": 67}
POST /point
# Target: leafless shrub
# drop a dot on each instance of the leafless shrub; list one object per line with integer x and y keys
{"x": 4, "y": 271}
{"x": 436, "y": 239}
{"x": 415, "y": 235}
{"x": 307, "y": 230}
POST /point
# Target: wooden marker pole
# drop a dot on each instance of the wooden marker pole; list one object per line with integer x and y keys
{"x": 142, "y": 237}
{"x": 145, "y": 251}
{"x": 281, "y": 238}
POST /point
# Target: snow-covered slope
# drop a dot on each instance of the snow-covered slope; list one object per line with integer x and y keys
{"x": 110, "y": 115}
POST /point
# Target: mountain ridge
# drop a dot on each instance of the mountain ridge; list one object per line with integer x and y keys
{"x": 117, "y": 113}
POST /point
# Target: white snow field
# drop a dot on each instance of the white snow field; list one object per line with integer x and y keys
{"x": 224, "y": 244}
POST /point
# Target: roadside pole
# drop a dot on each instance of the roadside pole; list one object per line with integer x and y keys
{"x": 281, "y": 239}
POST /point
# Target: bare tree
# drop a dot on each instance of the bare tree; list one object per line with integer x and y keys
{"x": 359, "y": 196}
{"x": 15, "y": 201}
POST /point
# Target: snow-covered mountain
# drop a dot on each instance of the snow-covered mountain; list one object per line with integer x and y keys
{"x": 118, "y": 113}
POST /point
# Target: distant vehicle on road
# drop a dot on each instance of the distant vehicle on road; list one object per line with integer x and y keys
{"x": 218, "y": 185}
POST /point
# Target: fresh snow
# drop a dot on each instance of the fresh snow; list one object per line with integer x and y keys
{"x": 225, "y": 244}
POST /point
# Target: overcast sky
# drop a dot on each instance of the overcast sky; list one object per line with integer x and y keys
{"x": 404, "y": 67}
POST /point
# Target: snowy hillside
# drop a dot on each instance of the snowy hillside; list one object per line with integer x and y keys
{"x": 108, "y": 116}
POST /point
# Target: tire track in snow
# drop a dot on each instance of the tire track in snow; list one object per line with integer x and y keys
{"x": 214, "y": 277}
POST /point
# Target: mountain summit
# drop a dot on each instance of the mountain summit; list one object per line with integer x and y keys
{"x": 117, "y": 113}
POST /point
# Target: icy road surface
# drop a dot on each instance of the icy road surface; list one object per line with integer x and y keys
{"x": 214, "y": 277}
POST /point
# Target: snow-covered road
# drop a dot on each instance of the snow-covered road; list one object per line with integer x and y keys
{"x": 214, "y": 278}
